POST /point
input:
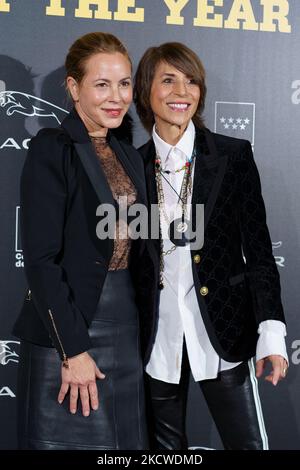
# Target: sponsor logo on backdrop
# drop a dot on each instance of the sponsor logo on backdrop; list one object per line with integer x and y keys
{"x": 8, "y": 355}
{"x": 16, "y": 102}
{"x": 8, "y": 352}
{"x": 295, "y": 357}
{"x": 296, "y": 94}
{"x": 7, "y": 392}
{"x": 235, "y": 119}
{"x": 280, "y": 260}
{"x": 10, "y": 142}
{"x": 19, "y": 263}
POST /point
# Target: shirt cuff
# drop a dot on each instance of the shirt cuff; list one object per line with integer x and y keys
{"x": 271, "y": 339}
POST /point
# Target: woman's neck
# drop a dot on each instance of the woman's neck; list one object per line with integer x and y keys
{"x": 170, "y": 133}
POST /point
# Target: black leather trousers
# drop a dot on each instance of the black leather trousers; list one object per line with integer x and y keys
{"x": 232, "y": 399}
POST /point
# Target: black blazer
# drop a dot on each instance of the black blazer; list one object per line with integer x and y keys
{"x": 62, "y": 185}
{"x": 241, "y": 290}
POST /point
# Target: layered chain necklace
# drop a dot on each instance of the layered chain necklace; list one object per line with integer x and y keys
{"x": 179, "y": 226}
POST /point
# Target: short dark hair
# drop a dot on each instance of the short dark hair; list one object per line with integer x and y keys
{"x": 179, "y": 56}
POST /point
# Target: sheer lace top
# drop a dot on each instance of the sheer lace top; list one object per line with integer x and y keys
{"x": 121, "y": 187}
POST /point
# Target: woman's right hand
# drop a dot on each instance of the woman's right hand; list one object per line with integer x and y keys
{"x": 80, "y": 377}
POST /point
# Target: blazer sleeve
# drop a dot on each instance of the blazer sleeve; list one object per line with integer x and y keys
{"x": 44, "y": 193}
{"x": 262, "y": 271}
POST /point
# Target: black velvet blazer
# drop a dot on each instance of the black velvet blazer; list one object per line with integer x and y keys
{"x": 62, "y": 185}
{"x": 235, "y": 264}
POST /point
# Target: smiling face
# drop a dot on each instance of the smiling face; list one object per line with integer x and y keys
{"x": 174, "y": 100}
{"x": 104, "y": 94}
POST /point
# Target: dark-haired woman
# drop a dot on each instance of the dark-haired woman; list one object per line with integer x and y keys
{"x": 208, "y": 303}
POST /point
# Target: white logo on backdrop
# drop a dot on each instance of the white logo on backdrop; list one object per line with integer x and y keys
{"x": 7, "y": 352}
{"x": 295, "y": 357}
{"x": 235, "y": 119}
{"x": 7, "y": 392}
{"x": 280, "y": 260}
{"x": 16, "y": 102}
{"x": 10, "y": 142}
{"x": 296, "y": 94}
{"x": 18, "y": 249}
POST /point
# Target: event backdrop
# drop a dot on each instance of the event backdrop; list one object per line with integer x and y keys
{"x": 250, "y": 49}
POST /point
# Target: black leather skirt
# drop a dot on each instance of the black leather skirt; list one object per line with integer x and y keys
{"x": 119, "y": 422}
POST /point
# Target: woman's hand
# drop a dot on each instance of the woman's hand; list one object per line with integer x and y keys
{"x": 80, "y": 377}
{"x": 279, "y": 368}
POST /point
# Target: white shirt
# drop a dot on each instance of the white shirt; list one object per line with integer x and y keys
{"x": 179, "y": 314}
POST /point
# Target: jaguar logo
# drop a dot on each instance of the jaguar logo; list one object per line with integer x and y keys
{"x": 16, "y": 102}
{"x": 8, "y": 353}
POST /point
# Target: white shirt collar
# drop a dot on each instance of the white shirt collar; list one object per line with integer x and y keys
{"x": 181, "y": 151}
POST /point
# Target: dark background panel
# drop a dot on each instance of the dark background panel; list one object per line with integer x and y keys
{"x": 247, "y": 70}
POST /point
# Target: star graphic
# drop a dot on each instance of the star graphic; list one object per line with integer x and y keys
{"x": 246, "y": 121}
{"x": 234, "y": 126}
{"x": 243, "y": 127}
{"x": 226, "y": 126}
{"x": 230, "y": 120}
{"x": 238, "y": 121}
{"x": 223, "y": 120}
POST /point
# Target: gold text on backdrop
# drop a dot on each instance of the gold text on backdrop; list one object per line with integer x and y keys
{"x": 209, "y": 14}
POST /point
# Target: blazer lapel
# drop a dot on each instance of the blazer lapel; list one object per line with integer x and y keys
{"x": 208, "y": 175}
{"x": 75, "y": 128}
{"x": 209, "y": 172}
{"x": 94, "y": 171}
{"x": 127, "y": 161}
{"x": 85, "y": 150}
{"x": 149, "y": 155}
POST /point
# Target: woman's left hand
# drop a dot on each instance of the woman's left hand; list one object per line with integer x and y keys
{"x": 80, "y": 377}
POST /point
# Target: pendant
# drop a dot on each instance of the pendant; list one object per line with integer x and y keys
{"x": 178, "y": 232}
